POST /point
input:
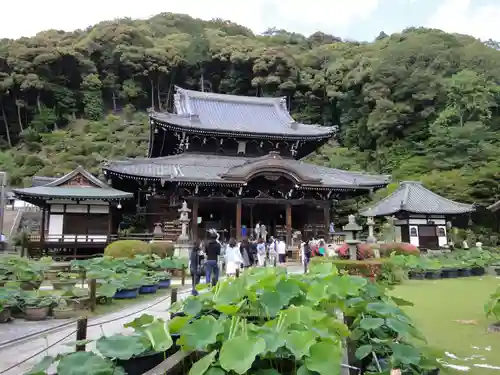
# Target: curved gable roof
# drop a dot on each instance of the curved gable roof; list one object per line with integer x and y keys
{"x": 412, "y": 196}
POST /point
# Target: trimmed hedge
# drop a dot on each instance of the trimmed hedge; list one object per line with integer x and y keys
{"x": 127, "y": 249}
{"x": 382, "y": 269}
{"x": 367, "y": 268}
{"x": 365, "y": 250}
{"x": 162, "y": 249}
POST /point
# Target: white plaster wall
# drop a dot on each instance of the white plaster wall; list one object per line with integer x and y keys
{"x": 414, "y": 239}
{"x": 56, "y": 221}
{"x": 443, "y": 240}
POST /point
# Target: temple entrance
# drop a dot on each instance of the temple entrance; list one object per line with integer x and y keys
{"x": 273, "y": 216}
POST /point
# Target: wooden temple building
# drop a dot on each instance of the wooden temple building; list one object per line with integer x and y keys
{"x": 235, "y": 160}
{"x": 421, "y": 216}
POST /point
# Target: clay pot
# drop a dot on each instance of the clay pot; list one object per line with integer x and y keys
{"x": 63, "y": 284}
{"x": 36, "y": 313}
{"x": 63, "y": 314}
{"x": 31, "y": 285}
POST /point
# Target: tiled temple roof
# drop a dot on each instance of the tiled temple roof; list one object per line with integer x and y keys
{"x": 61, "y": 187}
{"x": 231, "y": 169}
{"x": 412, "y": 196}
{"x": 245, "y": 115}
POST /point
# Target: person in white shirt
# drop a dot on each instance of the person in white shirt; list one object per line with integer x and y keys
{"x": 261, "y": 253}
{"x": 233, "y": 257}
{"x": 281, "y": 251}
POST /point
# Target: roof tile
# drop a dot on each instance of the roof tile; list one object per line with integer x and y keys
{"x": 412, "y": 196}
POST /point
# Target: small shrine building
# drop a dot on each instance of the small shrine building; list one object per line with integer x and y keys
{"x": 78, "y": 213}
{"x": 421, "y": 216}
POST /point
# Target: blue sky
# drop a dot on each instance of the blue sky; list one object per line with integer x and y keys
{"x": 352, "y": 19}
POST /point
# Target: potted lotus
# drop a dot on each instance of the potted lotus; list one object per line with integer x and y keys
{"x": 432, "y": 269}
{"x": 128, "y": 285}
{"x": 63, "y": 310}
{"x": 138, "y": 353}
{"x": 165, "y": 279}
{"x": 416, "y": 269}
{"x": 105, "y": 293}
{"x": 150, "y": 284}
{"x": 65, "y": 280}
{"x": 8, "y": 300}
{"x": 35, "y": 305}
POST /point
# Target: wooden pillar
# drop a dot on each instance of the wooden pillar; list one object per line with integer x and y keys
{"x": 110, "y": 220}
{"x": 326, "y": 212}
{"x": 194, "y": 220}
{"x": 42, "y": 225}
{"x": 238, "y": 219}
{"x": 288, "y": 224}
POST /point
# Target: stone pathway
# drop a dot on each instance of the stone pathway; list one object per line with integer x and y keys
{"x": 108, "y": 324}
{"x": 20, "y": 328}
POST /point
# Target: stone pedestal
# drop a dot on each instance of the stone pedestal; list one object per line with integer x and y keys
{"x": 182, "y": 249}
{"x": 184, "y": 220}
{"x": 351, "y": 229}
{"x": 371, "y": 237}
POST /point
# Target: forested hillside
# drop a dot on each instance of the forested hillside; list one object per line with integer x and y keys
{"x": 421, "y": 104}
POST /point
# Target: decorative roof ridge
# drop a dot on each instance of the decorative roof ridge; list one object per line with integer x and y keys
{"x": 78, "y": 170}
{"x": 187, "y": 93}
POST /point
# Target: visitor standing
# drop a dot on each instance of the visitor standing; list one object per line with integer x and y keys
{"x": 212, "y": 251}
{"x": 234, "y": 260}
{"x": 263, "y": 232}
{"x": 196, "y": 266}
{"x": 273, "y": 248}
{"x": 245, "y": 253}
{"x": 281, "y": 251}
{"x": 261, "y": 253}
{"x": 306, "y": 254}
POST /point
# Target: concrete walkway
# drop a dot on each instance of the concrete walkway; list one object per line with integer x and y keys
{"x": 20, "y": 328}
{"x": 107, "y": 324}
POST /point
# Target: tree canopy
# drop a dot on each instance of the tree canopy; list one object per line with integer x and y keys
{"x": 421, "y": 104}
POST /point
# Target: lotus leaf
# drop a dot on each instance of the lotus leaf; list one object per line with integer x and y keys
{"x": 202, "y": 365}
{"x": 238, "y": 353}
{"x": 122, "y": 347}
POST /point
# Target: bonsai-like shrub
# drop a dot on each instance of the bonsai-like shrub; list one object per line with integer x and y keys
{"x": 127, "y": 249}
{"x": 400, "y": 248}
{"x": 162, "y": 249}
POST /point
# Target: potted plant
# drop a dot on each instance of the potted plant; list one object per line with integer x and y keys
{"x": 432, "y": 269}
{"x": 105, "y": 293}
{"x": 150, "y": 284}
{"x": 63, "y": 310}
{"x": 496, "y": 268}
{"x": 164, "y": 279}
{"x": 416, "y": 270}
{"x": 128, "y": 285}
{"x": 35, "y": 305}
{"x": 8, "y": 300}
{"x": 65, "y": 280}
{"x": 138, "y": 353}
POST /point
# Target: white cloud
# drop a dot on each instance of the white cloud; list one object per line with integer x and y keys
{"x": 461, "y": 16}
{"x": 305, "y": 17}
